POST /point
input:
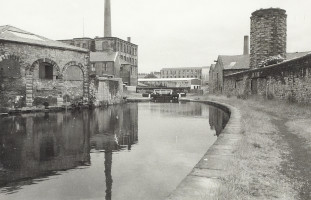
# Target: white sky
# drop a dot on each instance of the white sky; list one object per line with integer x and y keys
{"x": 170, "y": 33}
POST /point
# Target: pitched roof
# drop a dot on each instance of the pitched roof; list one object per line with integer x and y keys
{"x": 242, "y": 61}
{"x": 290, "y": 56}
{"x": 11, "y": 33}
{"x": 234, "y": 62}
{"x": 103, "y": 56}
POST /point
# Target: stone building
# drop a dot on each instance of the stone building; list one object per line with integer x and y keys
{"x": 35, "y": 69}
{"x": 105, "y": 63}
{"x": 287, "y": 79}
{"x": 228, "y": 64}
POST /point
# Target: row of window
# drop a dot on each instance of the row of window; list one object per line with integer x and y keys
{"x": 83, "y": 45}
{"x": 188, "y": 76}
{"x": 128, "y": 59}
{"x": 180, "y": 71}
{"x": 126, "y": 48}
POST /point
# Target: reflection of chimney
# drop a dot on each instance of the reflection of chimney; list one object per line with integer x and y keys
{"x": 107, "y": 22}
{"x": 129, "y": 39}
{"x": 246, "y": 45}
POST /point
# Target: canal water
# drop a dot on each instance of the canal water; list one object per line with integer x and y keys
{"x": 132, "y": 151}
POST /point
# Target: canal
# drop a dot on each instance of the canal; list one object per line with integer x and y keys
{"x": 132, "y": 151}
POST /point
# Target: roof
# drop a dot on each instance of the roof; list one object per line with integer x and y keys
{"x": 178, "y": 68}
{"x": 166, "y": 79}
{"x": 103, "y": 56}
{"x": 13, "y": 34}
{"x": 242, "y": 61}
{"x": 290, "y": 56}
{"x": 234, "y": 62}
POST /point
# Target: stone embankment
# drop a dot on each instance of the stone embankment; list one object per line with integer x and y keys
{"x": 204, "y": 181}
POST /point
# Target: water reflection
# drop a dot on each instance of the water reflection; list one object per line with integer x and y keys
{"x": 88, "y": 149}
{"x": 34, "y": 146}
{"x": 218, "y": 119}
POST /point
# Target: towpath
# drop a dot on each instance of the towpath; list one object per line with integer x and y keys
{"x": 274, "y": 158}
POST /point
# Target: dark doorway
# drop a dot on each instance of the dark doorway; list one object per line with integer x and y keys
{"x": 46, "y": 71}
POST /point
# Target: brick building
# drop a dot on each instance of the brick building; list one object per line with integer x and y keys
{"x": 35, "y": 69}
{"x": 183, "y": 72}
{"x": 125, "y": 50}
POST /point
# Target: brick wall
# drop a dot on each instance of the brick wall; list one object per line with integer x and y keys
{"x": 290, "y": 81}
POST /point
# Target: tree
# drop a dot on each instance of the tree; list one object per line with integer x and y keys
{"x": 150, "y": 76}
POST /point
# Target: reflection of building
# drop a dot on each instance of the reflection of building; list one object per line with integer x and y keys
{"x": 181, "y": 109}
{"x": 34, "y": 145}
{"x": 217, "y": 119}
{"x": 114, "y": 129}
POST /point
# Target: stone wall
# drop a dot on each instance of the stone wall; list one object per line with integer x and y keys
{"x": 28, "y": 59}
{"x": 108, "y": 91}
{"x": 290, "y": 81}
{"x": 268, "y": 35}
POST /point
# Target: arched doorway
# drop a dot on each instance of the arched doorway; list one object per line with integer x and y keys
{"x": 12, "y": 82}
{"x": 75, "y": 88}
{"x": 45, "y": 80}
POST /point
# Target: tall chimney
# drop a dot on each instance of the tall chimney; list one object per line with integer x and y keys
{"x": 129, "y": 39}
{"x": 246, "y": 45}
{"x": 107, "y": 22}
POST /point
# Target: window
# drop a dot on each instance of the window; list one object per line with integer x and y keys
{"x": 46, "y": 71}
{"x": 84, "y": 45}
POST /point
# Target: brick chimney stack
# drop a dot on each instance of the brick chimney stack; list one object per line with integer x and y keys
{"x": 246, "y": 45}
{"x": 107, "y": 20}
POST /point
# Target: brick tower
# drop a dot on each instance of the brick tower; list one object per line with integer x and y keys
{"x": 268, "y": 34}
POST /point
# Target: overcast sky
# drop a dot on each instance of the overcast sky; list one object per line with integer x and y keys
{"x": 170, "y": 33}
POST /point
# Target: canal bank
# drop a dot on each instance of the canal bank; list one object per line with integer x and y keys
{"x": 205, "y": 180}
{"x": 272, "y": 160}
